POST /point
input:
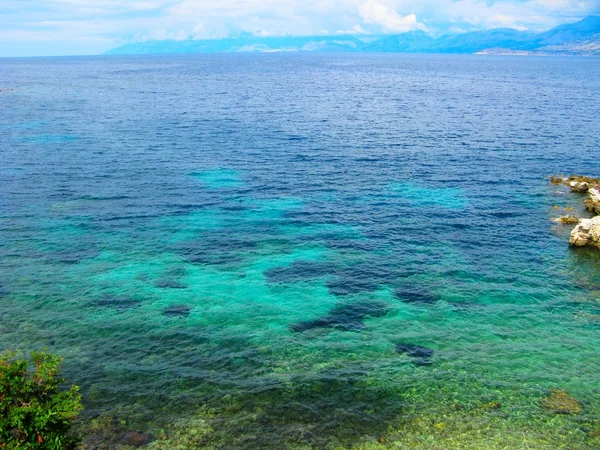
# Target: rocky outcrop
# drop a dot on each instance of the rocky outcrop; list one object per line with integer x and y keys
{"x": 587, "y": 232}
{"x": 593, "y": 202}
{"x": 579, "y": 186}
{"x": 577, "y": 183}
{"x": 568, "y": 220}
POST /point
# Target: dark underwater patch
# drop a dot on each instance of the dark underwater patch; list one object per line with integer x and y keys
{"x": 348, "y": 317}
{"x": 422, "y": 356}
{"x": 346, "y": 285}
{"x": 166, "y": 283}
{"x": 72, "y": 256}
{"x": 177, "y": 311}
{"x": 216, "y": 249}
{"x": 332, "y": 239}
{"x": 367, "y": 276}
{"x": 415, "y": 294}
{"x": 117, "y": 302}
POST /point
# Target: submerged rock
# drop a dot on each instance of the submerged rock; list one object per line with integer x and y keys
{"x": 422, "y": 355}
{"x": 349, "y": 317}
{"x": 586, "y": 233}
{"x": 106, "y": 432}
{"x": 177, "y": 310}
{"x": 411, "y": 294}
{"x": 169, "y": 284}
{"x": 343, "y": 285}
{"x": 567, "y": 220}
{"x": 560, "y": 402}
{"x": 367, "y": 276}
{"x": 134, "y": 438}
{"x": 217, "y": 248}
{"x": 72, "y": 256}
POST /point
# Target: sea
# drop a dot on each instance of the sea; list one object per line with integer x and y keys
{"x": 298, "y": 251}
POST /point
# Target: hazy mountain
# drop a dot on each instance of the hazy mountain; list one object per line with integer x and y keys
{"x": 245, "y": 43}
{"x": 412, "y": 42}
{"x": 583, "y": 35}
{"x": 585, "y": 29}
{"x": 480, "y": 40}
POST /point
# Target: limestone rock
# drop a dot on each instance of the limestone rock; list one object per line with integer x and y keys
{"x": 593, "y": 202}
{"x": 569, "y": 220}
{"x": 579, "y": 182}
{"x": 561, "y": 402}
{"x": 579, "y": 186}
{"x": 586, "y": 233}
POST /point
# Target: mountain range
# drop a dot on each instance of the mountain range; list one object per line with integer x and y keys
{"x": 582, "y": 37}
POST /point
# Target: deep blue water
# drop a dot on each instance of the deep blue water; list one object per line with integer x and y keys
{"x": 256, "y": 235}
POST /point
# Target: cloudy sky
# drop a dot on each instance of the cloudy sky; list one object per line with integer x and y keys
{"x": 67, "y": 27}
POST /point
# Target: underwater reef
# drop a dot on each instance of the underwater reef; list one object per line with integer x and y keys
{"x": 348, "y": 317}
{"x": 422, "y": 355}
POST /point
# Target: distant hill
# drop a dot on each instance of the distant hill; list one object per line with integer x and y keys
{"x": 480, "y": 40}
{"x": 582, "y": 37}
{"x": 412, "y": 42}
{"x": 244, "y": 44}
{"x": 585, "y": 29}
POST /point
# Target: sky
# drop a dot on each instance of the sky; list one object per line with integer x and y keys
{"x": 84, "y": 27}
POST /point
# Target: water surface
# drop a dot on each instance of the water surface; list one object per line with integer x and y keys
{"x": 247, "y": 247}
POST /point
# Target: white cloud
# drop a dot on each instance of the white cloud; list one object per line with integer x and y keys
{"x": 108, "y": 23}
{"x": 531, "y": 14}
{"x": 375, "y": 13}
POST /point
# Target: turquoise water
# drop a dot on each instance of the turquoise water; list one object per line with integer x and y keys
{"x": 230, "y": 249}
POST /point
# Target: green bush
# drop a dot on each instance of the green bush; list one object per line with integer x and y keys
{"x": 36, "y": 412}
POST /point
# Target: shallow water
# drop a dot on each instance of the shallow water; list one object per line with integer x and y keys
{"x": 167, "y": 222}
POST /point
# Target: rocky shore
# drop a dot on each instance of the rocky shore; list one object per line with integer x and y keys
{"x": 587, "y": 230}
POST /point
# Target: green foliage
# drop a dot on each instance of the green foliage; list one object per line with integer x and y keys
{"x": 35, "y": 411}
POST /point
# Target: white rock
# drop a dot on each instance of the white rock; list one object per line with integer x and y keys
{"x": 592, "y": 203}
{"x": 586, "y": 233}
{"x": 577, "y": 186}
